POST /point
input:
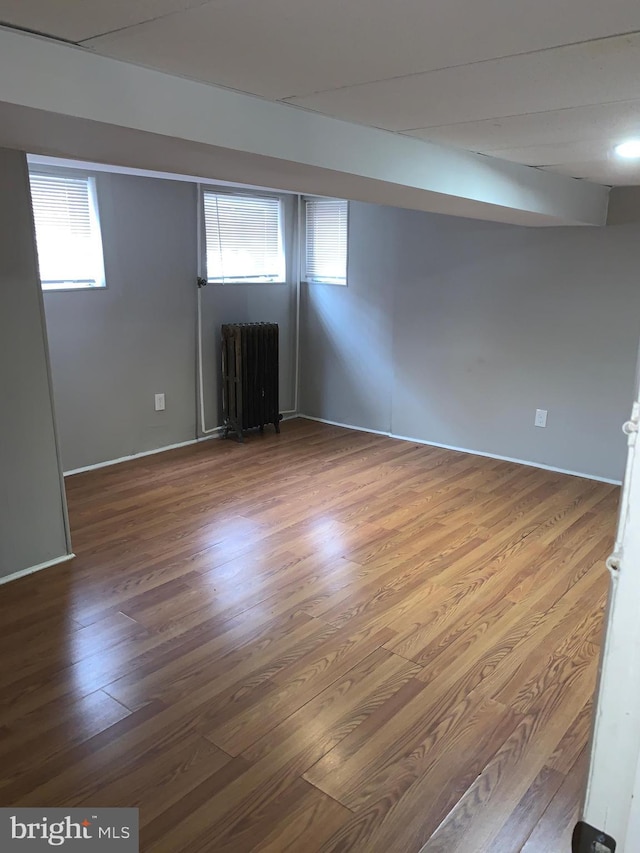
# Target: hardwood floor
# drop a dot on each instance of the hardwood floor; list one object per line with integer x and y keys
{"x": 319, "y": 641}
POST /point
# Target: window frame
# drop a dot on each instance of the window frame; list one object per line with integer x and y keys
{"x": 304, "y": 199}
{"x": 94, "y": 215}
{"x": 202, "y": 234}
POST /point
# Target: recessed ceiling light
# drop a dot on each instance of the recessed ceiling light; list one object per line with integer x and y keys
{"x": 629, "y": 149}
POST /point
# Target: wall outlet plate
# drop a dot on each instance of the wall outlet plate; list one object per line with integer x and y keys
{"x": 160, "y": 403}
{"x": 541, "y": 418}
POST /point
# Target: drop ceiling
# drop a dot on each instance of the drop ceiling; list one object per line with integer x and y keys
{"x": 552, "y": 84}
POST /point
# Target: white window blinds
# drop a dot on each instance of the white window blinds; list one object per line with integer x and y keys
{"x": 67, "y": 231}
{"x": 243, "y": 238}
{"x": 326, "y": 240}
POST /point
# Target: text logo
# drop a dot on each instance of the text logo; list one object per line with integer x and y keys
{"x": 80, "y": 830}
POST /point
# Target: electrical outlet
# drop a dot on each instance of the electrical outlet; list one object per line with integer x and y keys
{"x": 160, "y": 403}
{"x": 541, "y": 418}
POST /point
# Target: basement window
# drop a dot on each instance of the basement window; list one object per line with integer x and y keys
{"x": 65, "y": 213}
{"x": 244, "y": 241}
{"x": 326, "y": 240}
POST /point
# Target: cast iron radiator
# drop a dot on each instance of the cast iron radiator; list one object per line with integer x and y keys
{"x": 250, "y": 376}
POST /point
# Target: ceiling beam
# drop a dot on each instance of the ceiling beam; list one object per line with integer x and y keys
{"x": 62, "y": 100}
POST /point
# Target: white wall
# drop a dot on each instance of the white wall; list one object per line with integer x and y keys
{"x": 487, "y": 322}
{"x": 612, "y": 796}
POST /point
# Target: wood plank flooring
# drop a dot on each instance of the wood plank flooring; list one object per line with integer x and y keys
{"x": 319, "y": 641}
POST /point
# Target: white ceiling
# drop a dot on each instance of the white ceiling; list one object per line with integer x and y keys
{"x": 551, "y": 83}
{"x": 76, "y": 20}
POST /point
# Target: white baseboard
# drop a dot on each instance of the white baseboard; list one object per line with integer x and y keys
{"x": 346, "y": 426}
{"x": 109, "y": 462}
{"x": 466, "y": 450}
{"x": 32, "y": 569}
{"x": 214, "y": 434}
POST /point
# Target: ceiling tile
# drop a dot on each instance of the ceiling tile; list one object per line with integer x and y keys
{"x": 408, "y": 64}
{"x": 607, "y": 172}
{"x": 578, "y": 75}
{"x": 282, "y": 48}
{"x": 557, "y": 153}
{"x": 80, "y": 19}
{"x": 617, "y": 120}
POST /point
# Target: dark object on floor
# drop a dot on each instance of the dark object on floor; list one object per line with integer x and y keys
{"x": 250, "y": 393}
{"x": 587, "y": 839}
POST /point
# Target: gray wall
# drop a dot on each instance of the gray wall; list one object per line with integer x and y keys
{"x": 346, "y": 366}
{"x": 487, "y": 323}
{"x": 32, "y": 513}
{"x": 624, "y": 205}
{"x": 113, "y": 349}
{"x": 450, "y": 330}
{"x": 251, "y": 303}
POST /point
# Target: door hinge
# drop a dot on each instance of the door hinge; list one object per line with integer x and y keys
{"x": 588, "y": 839}
{"x": 613, "y": 563}
{"x": 630, "y": 427}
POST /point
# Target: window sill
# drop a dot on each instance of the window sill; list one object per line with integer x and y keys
{"x": 73, "y": 289}
{"x": 241, "y": 283}
{"x": 325, "y": 281}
